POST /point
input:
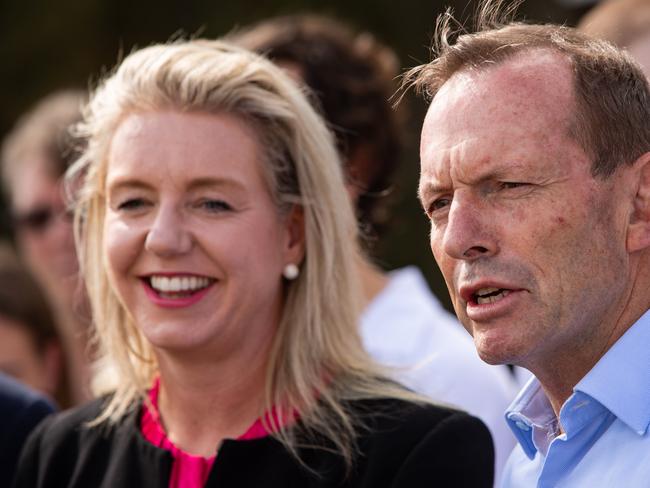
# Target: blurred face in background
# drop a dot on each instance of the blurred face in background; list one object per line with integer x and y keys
{"x": 21, "y": 357}
{"x": 640, "y": 50}
{"x": 44, "y": 232}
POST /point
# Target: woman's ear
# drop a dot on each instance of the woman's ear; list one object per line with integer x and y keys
{"x": 295, "y": 248}
{"x": 638, "y": 233}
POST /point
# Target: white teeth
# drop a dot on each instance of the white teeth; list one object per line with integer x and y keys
{"x": 486, "y": 291}
{"x": 491, "y": 298}
{"x": 176, "y": 284}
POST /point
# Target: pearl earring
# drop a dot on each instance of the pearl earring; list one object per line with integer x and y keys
{"x": 291, "y": 271}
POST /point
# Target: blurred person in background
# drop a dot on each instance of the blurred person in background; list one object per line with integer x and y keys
{"x": 30, "y": 350}
{"x": 217, "y": 253}
{"x": 35, "y": 155}
{"x": 21, "y": 409}
{"x": 351, "y": 77}
{"x": 625, "y": 23}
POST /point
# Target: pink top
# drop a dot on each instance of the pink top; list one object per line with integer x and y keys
{"x": 188, "y": 471}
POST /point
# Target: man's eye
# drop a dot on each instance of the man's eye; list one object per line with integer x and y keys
{"x": 439, "y": 204}
{"x": 507, "y": 185}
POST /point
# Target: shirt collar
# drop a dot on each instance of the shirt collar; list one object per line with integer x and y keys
{"x": 620, "y": 381}
{"x": 531, "y": 418}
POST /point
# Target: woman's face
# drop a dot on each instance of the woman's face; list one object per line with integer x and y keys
{"x": 193, "y": 242}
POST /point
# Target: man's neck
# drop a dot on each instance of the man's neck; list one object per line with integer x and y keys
{"x": 560, "y": 372}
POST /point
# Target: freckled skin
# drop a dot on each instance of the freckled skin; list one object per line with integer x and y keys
{"x": 558, "y": 236}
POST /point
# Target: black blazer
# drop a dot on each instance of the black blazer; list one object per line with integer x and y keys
{"x": 403, "y": 445}
{"x": 21, "y": 409}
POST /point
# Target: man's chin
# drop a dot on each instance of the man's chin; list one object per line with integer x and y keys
{"x": 496, "y": 348}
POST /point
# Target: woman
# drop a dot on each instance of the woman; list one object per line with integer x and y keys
{"x": 216, "y": 241}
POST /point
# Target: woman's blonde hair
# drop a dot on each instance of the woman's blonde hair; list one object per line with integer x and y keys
{"x": 317, "y": 362}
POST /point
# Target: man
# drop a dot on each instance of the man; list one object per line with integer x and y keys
{"x": 536, "y": 179}
{"x": 351, "y": 74}
{"x": 625, "y": 23}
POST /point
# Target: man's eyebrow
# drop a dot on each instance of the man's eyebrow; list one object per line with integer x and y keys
{"x": 428, "y": 188}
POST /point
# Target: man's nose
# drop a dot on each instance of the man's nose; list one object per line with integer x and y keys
{"x": 168, "y": 234}
{"x": 471, "y": 231}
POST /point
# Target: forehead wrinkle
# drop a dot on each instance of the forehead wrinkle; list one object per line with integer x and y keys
{"x": 484, "y": 170}
{"x": 453, "y": 146}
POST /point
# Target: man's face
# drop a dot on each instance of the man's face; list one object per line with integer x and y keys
{"x": 531, "y": 246}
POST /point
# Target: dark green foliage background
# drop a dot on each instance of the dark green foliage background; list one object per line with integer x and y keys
{"x": 47, "y": 45}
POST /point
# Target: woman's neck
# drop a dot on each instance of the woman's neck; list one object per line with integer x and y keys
{"x": 202, "y": 404}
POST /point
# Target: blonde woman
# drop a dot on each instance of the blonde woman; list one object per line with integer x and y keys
{"x": 217, "y": 244}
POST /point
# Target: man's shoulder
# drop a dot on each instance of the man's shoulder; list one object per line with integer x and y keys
{"x": 591, "y": 457}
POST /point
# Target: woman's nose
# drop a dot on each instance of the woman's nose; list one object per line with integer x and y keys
{"x": 168, "y": 234}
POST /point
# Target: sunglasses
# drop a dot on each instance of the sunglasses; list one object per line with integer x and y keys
{"x": 39, "y": 218}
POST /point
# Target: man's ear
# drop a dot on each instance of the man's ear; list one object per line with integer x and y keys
{"x": 638, "y": 233}
{"x": 295, "y": 249}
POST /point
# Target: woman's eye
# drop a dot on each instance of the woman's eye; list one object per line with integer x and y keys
{"x": 215, "y": 205}
{"x": 131, "y": 204}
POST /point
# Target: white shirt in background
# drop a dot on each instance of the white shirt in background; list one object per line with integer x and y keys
{"x": 406, "y": 328}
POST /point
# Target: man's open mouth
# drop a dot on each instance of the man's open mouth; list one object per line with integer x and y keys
{"x": 490, "y": 295}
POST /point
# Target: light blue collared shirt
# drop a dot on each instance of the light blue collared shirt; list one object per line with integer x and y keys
{"x": 606, "y": 439}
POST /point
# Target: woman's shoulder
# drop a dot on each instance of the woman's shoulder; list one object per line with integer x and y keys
{"x": 69, "y": 423}
{"x": 68, "y": 449}
{"x": 392, "y": 415}
{"x": 420, "y": 443}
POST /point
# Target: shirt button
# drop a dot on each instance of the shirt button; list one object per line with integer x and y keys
{"x": 522, "y": 426}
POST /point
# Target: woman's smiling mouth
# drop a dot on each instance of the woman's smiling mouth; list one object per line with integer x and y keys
{"x": 176, "y": 290}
